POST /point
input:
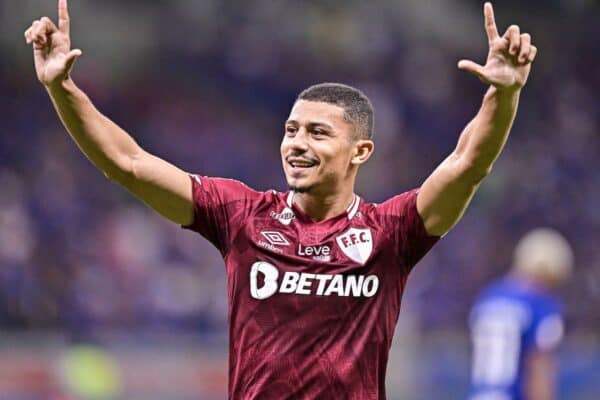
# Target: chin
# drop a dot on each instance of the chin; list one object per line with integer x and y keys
{"x": 300, "y": 187}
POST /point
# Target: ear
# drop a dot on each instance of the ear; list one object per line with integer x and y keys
{"x": 362, "y": 151}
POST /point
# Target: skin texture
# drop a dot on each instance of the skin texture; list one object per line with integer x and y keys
{"x": 541, "y": 376}
{"x": 315, "y": 131}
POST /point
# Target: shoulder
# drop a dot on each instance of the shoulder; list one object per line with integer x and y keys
{"x": 400, "y": 205}
{"x": 221, "y": 183}
{"x": 225, "y": 189}
{"x": 548, "y": 308}
{"x": 231, "y": 195}
{"x": 499, "y": 300}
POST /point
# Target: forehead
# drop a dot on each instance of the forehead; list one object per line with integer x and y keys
{"x": 314, "y": 112}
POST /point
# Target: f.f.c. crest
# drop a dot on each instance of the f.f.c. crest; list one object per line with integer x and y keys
{"x": 357, "y": 244}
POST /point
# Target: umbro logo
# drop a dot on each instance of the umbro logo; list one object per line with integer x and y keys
{"x": 275, "y": 238}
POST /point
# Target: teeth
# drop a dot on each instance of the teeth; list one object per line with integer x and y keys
{"x": 300, "y": 164}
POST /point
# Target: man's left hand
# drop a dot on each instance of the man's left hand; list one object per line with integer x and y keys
{"x": 509, "y": 57}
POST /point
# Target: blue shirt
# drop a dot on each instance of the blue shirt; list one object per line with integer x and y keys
{"x": 510, "y": 318}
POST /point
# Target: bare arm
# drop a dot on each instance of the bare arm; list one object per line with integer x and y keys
{"x": 446, "y": 193}
{"x": 164, "y": 187}
{"x": 540, "y": 376}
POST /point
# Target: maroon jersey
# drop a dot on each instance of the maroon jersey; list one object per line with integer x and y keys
{"x": 312, "y": 305}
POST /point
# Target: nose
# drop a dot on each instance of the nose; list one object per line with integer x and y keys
{"x": 299, "y": 140}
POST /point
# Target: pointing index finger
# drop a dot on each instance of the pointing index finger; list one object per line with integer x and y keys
{"x": 63, "y": 17}
{"x": 490, "y": 22}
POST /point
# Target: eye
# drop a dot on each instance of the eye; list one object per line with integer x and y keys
{"x": 290, "y": 130}
{"x": 319, "y": 132}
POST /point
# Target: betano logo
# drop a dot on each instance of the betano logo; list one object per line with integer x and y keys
{"x": 302, "y": 283}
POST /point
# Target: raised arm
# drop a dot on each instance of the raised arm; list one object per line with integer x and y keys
{"x": 161, "y": 185}
{"x": 446, "y": 193}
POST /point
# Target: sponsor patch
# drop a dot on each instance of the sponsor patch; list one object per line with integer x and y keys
{"x": 265, "y": 282}
{"x": 285, "y": 217}
{"x": 316, "y": 252}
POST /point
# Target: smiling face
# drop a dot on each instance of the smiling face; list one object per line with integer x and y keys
{"x": 319, "y": 150}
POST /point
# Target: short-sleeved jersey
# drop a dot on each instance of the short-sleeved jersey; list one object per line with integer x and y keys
{"x": 510, "y": 319}
{"x": 312, "y": 305}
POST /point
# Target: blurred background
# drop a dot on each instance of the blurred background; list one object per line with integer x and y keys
{"x": 102, "y": 299}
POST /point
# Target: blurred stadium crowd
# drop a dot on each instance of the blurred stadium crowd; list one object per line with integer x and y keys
{"x": 207, "y": 85}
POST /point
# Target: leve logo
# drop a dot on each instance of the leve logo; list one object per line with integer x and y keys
{"x": 357, "y": 244}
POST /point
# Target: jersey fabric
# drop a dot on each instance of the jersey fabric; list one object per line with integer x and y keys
{"x": 511, "y": 318}
{"x": 312, "y": 305}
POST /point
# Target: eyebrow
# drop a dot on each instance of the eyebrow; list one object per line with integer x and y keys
{"x": 311, "y": 124}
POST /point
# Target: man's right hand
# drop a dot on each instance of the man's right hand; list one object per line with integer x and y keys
{"x": 52, "y": 47}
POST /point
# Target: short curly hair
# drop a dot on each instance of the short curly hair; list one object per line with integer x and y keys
{"x": 358, "y": 109}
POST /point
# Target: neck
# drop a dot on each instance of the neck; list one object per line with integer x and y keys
{"x": 539, "y": 282}
{"x": 323, "y": 206}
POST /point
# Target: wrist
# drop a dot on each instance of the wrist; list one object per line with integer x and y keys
{"x": 61, "y": 85}
{"x": 505, "y": 93}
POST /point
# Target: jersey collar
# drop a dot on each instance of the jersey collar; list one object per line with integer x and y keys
{"x": 350, "y": 211}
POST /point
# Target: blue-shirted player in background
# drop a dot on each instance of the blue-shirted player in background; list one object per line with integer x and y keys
{"x": 516, "y": 323}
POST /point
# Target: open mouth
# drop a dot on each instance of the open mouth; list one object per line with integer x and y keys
{"x": 299, "y": 164}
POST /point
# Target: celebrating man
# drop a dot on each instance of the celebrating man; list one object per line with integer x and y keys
{"x": 314, "y": 275}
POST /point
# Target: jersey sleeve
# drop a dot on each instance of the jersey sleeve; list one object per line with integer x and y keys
{"x": 220, "y": 207}
{"x": 402, "y": 218}
{"x": 548, "y": 325}
{"x": 549, "y": 332}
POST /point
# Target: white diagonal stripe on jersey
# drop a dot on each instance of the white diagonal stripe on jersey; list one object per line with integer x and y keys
{"x": 351, "y": 203}
{"x": 354, "y": 208}
{"x": 290, "y": 198}
{"x": 197, "y": 179}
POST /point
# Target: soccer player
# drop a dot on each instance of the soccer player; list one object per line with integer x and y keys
{"x": 314, "y": 275}
{"x": 516, "y": 323}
